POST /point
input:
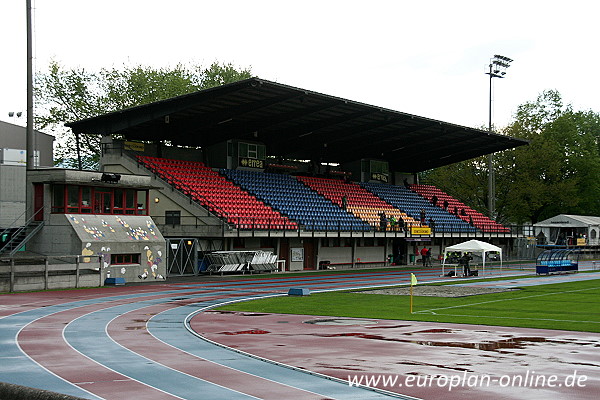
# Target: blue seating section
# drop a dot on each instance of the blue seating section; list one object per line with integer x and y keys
{"x": 295, "y": 200}
{"x": 412, "y": 204}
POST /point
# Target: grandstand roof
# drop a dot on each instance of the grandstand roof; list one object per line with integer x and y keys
{"x": 300, "y": 124}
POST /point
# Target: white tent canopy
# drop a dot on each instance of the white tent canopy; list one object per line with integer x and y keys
{"x": 473, "y": 246}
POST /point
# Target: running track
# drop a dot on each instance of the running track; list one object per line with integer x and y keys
{"x": 135, "y": 342}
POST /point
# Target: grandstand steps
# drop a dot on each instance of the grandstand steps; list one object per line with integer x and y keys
{"x": 459, "y": 209}
{"x": 359, "y": 201}
{"x": 231, "y": 203}
{"x": 292, "y": 198}
{"x": 195, "y": 218}
{"x": 251, "y": 203}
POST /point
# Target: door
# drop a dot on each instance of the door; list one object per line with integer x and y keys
{"x": 38, "y": 202}
{"x": 284, "y": 252}
{"x": 309, "y": 254}
{"x": 102, "y": 202}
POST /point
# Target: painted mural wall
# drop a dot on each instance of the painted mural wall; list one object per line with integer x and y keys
{"x": 131, "y": 246}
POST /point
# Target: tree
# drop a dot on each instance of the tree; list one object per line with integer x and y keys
{"x": 556, "y": 173}
{"x": 64, "y": 95}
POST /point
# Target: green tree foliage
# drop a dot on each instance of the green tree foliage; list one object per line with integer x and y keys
{"x": 67, "y": 95}
{"x": 556, "y": 173}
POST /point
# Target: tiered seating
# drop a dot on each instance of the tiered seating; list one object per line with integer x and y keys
{"x": 459, "y": 209}
{"x": 360, "y": 202}
{"x": 296, "y": 200}
{"x": 218, "y": 194}
{"x": 412, "y": 204}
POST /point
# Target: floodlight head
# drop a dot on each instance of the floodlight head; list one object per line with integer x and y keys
{"x": 11, "y": 114}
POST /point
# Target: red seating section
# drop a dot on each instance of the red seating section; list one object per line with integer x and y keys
{"x": 218, "y": 194}
{"x": 459, "y": 209}
{"x": 360, "y": 201}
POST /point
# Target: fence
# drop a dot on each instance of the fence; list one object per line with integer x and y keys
{"x": 50, "y": 272}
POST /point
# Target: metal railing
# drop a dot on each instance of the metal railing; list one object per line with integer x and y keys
{"x": 21, "y": 235}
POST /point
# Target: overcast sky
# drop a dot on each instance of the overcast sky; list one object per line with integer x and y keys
{"x": 426, "y": 58}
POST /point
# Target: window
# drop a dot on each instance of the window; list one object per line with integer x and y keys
{"x": 172, "y": 217}
{"x": 119, "y": 201}
{"x": 141, "y": 202}
{"x": 86, "y": 200}
{"x": 73, "y": 199}
{"x": 251, "y": 150}
{"x": 130, "y": 201}
{"x": 58, "y": 198}
{"x": 120, "y": 259}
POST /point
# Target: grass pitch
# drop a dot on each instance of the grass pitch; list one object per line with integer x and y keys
{"x": 571, "y": 306}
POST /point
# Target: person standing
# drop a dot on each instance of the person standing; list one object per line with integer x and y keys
{"x": 382, "y": 222}
{"x": 424, "y": 256}
{"x": 464, "y": 261}
{"x": 428, "y": 258}
{"x": 392, "y": 223}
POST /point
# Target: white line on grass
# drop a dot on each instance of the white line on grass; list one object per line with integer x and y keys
{"x": 500, "y": 300}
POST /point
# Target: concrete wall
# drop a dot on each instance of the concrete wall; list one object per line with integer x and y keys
{"x": 108, "y": 235}
{"x": 15, "y": 137}
{"x": 12, "y": 194}
{"x": 83, "y": 234}
{"x": 54, "y": 276}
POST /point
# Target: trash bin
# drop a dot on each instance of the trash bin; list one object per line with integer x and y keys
{"x": 411, "y": 258}
{"x": 324, "y": 264}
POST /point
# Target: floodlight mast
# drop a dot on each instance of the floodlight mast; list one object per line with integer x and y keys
{"x": 498, "y": 66}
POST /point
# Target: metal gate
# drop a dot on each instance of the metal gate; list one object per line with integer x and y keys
{"x": 182, "y": 256}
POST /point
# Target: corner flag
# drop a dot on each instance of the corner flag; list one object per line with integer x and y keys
{"x": 413, "y": 279}
{"x": 413, "y": 282}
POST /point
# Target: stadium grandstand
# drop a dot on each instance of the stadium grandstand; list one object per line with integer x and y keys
{"x": 297, "y": 179}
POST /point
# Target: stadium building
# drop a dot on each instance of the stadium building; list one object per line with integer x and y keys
{"x": 257, "y": 175}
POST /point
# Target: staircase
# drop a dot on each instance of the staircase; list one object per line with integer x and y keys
{"x": 20, "y": 236}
